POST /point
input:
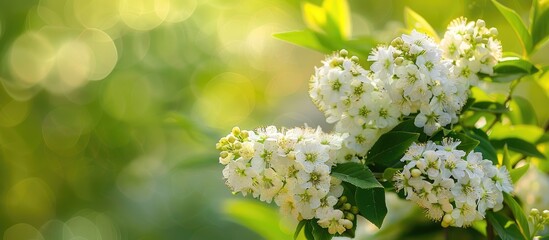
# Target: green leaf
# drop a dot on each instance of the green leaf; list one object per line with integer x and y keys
{"x": 539, "y": 19}
{"x": 300, "y": 226}
{"x": 356, "y": 174}
{"x": 415, "y": 21}
{"x": 407, "y": 126}
{"x": 320, "y": 233}
{"x": 520, "y": 146}
{"x": 485, "y": 147}
{"x": 522, "y": 111}
{"x": 516, "y": 23}
{"x": 389, "y": 173}
{"x": 490, "y": 107}
{"x": 467, "y": 143}
{"x": 506, "y": 160}
{"x": 314, "y": 17}
{"x": 520, "y": 218}
{"x": 256, "y": 216}
{"x": 511, "y": 68}
{"x": 371, "y": 203}
{"x": 517, "y": 173}
{"x": 304, "y": 38}
{"x": 505, "y": 228}
{"x": 389, "y": 148}
{"x": 543, "y": 139}
{"x": 468, "y": 104}
{"x": 529, "y": 133}
{"x": 309, "y": 230}
{"x": 338, "y": 11}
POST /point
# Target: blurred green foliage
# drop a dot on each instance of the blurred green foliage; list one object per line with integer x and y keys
{"x": 110, "y": 109}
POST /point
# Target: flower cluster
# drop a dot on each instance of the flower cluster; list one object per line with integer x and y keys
{"x": 290, "y": 166}
{"x": 472, "y": 47}
{"x": 538, "y": 219}
{"x": 407, "y": 77}
{"x": 451, "y": 185}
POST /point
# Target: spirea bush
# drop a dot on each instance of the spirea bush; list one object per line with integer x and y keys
{"x": 399, "y": 126}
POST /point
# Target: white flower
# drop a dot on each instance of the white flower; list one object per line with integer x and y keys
{"x": 464, "y": 214}
{"x": 335, "y": 222}
{"x": 467, "y": 190}
{"x": 503, "y": 180}
{"x": 309, "y": 154}
{"x": 270, "y": 184}
{"x": 319, "y": 178}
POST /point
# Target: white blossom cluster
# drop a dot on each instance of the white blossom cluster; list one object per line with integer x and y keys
{"x": 407, "y": 77}
{"x": 451, "y": 185}
{"x": 472, "y": 47}
{"x": 290, "y": 166}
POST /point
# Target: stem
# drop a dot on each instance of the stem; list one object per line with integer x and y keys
{"x": 505, "y": 103}
{"x": 489, "y": 231}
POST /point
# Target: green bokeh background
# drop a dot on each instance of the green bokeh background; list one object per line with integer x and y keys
{"x": 132, "y": 155}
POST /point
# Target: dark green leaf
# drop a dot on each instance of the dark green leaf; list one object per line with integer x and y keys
{"x": 415, "y": 21}
{"x": 407, "y": 126}
{"x": 507, "y": 77}
{"x": 468, "y": 104}
{"x": 544, "y": 138}
{"x": 356, "y": 174}
{"x": 389, "y": 148}
{"x": 485, "y": 147}
{"x": 515, "y": 65}
{"x": 467, "y": 143}
{"x": 320, "y": 233}
{"x": 505, "y": 228}
{"x": 309, "y": 230}
{"x": 490, "y": 107}
{"x": 389, "y": 173}
{"x": 520, "y": 218}
{"x": 300, "y": 226}
{"x": 371, "y": 203}
{"x": 517, "y": 173}
{"x": 520, "y": 146}
{"x": 304, "y": 38}
{"x": 516, "y": 23}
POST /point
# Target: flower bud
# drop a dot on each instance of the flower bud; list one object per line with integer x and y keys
{"x": 350, "y": 216}
{"x": 236, "y": 131}
{"x": 534, "y": 212}
{"x": 224, "y": 154}
{"x": 397, "y": 42}
{"x": 447, "y": 218}
{"x": 494, "y": 31}
{"x": 481, "y": 23}
{"x": 399, "y": 60}
{"x": 354, "y": 58}
{"x": 343, "y": 199}
{"x": 444, "y": 224}
{"x": 546, "y": 214}
{"x": 231, "y": 139}
{"x": 343, "y": 53}
{"x": 354, "y": 209}
{"x": 416, "y": 172}
{"x": 347, "y": 206}
{"x": 238, "y": 145}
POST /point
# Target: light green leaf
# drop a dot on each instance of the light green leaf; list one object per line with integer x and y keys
{"x": 520, "y": 146}
{"x": 371, "y": 203}
{"x": 529, "y": 133}
{"x": 517, "y": 173}
{"x": 505, "y": 228}
{"x": 539, "y": 19}
{"x": 490, "y": 107}
{"x": 256, "y": 216}
{"x": 516, "y": 23}
{"x": 506, "y": 160}
{"x": 389, "y": 173}
{"x": 356, "y": 174}
{"x": 415, "y": 21}
{"x": 314, "y": 17}
{"x": 515, "y": 65}
{"x": 338, "y": 11}
{"x": 304, "y": 38}
{"x": 300, "y": 226}
{"x": 389, "y": 148}
{"x": 522, "y": 111}
{"x": 520, "y": 218}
